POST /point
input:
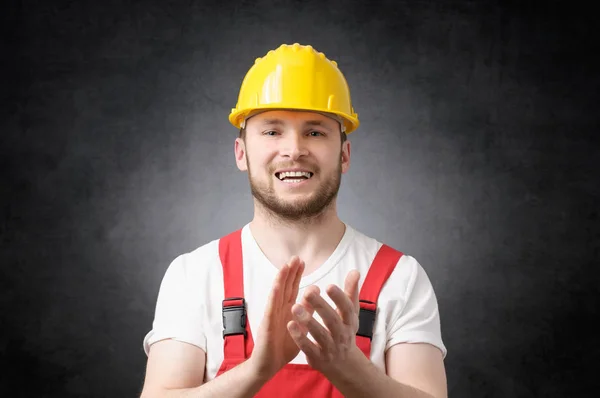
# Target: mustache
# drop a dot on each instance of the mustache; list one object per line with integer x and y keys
{"x": 313, "y": 168}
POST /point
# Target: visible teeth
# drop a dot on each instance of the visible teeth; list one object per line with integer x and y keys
{"x": 290, "y": 181}
{"x": 294, "y": 174}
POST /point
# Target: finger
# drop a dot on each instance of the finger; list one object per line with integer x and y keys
{"x": 272, "y": 300}
{"x": 277, "y": 290}
{"x": 310, "y": 349}
{"x": 330, "y": 317}
{"x": 308, "y": 308}
{"x": 312, "y": 289}
{"x": 296, "y": 284}
{"x": 351, "y": 288}
{"x": 289, "y": 287}
{"x": 321, "y": 335}
{"x": 345, "y": 307}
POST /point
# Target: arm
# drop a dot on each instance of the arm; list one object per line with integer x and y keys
{"x": 413, "y": 371}
{"x": 415, "y": 352}
{"x": 176, "y": 370}
{"x": 176, "y": 347}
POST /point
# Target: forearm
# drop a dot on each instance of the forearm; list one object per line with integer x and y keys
{"x": 243, "y": 381}
{"x": 361, "y": 378}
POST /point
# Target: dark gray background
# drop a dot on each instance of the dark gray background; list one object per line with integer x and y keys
{"x": 477, "y": 155}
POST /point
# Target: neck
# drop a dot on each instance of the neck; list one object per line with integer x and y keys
{"x": 313, "y": 239}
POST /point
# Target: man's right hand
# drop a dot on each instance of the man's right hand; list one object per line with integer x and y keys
{"x": 274, "y": 347}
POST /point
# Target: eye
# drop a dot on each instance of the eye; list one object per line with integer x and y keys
{"x": 315, "y": 133}
{"x": 270, "y": 132}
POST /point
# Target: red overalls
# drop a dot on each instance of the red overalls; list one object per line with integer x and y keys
{"x": 293, "y": 380}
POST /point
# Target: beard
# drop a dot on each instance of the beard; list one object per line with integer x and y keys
{"x": 304, "y": 210}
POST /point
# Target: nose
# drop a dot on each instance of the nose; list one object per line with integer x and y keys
{"x": 293, "y": 146}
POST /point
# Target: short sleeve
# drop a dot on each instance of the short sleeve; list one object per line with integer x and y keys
{"x": 177, "y": 314}
{"x": 418, "y": 320}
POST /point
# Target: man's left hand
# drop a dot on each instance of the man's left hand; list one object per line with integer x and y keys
{"x": 336, "y": 343}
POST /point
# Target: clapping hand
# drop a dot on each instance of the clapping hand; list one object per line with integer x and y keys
{"x": 337, "y": 341}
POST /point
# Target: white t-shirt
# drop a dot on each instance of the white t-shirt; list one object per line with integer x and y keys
{"x": 189, "y": 301}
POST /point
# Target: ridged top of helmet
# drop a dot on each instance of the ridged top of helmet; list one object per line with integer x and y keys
{"x": 295, "y": 48}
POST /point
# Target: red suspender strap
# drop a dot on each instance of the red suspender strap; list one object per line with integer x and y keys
{"x": 382, "y": 267}
{"x": 235, "y": 321}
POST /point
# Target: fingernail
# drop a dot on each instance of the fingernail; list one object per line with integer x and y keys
{"x": 294, "y": 328}
{"x": 298, "y": 311}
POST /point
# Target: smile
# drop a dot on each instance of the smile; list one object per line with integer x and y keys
{"x": 293, "y": 176}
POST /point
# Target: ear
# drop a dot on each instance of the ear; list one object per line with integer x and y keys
{"x": 346, "y": 156}
{"x": 240, "y": 154}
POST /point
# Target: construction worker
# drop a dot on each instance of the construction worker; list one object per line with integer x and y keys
{"x": 295, "y": 303}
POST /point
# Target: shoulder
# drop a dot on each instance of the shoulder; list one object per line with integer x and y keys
{"x": 196, "y": 260}
{"x": 197, "y": 263}
{"x": 408, "y": 277}
{"x": 407, "y": 272}
{"x": 362, "y": 248}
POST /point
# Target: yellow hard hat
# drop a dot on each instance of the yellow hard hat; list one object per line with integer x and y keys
{"x": 295, "y": 77}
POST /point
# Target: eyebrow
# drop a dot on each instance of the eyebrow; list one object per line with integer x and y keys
{"x": 279, "y": 122}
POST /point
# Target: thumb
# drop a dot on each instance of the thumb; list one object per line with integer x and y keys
{"x": 351, "y": 287}
{"x": 304, "y": 302}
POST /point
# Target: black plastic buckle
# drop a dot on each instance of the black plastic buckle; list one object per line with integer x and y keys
{"x": 366, "y": 321}
{"x": 234, "y": 318}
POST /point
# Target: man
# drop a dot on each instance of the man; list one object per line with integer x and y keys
{"x": 227, "y": 320}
